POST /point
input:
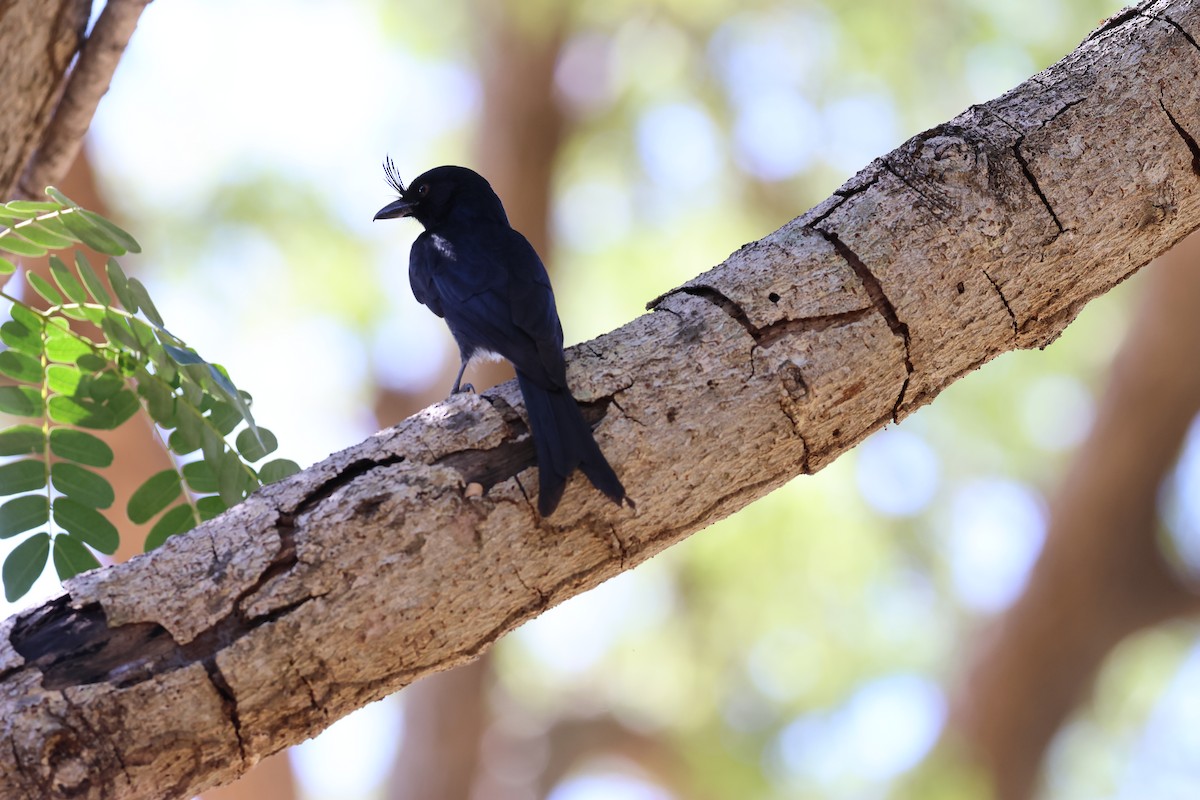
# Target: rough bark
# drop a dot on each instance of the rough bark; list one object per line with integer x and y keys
{"x": 40, "y": 37}
{"x": 1102, "y": 575}
{"x": 178, "y": 670}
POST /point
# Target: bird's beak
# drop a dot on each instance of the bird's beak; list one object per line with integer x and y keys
{"x": 398, "y": 208}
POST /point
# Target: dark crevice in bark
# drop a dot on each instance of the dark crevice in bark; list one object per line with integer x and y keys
{"x": 768, "y": 335}
{"x": 1065, "y": 108}
{"x": 1167, "y": 20}
{"x": 1033, "y": 182}
{"x": 882, "y": 304}
{"x": 228, "y": 700}
{"x": 1011, "y": 316}
{"x": 772, "y": 333}
{"x": 718, "y": 299}
{"x": 1115, "y": 21}
{"x": 76, "y": 646}
{"x": 1188, "y": 139}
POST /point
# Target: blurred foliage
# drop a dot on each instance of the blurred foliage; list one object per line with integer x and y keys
{"x": 804, "y": 647}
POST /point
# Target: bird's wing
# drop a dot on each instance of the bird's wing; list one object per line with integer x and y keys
{"x": 423, "y": 261}
{"x": 533, "y": 312}
{"x": 492, "y": 289}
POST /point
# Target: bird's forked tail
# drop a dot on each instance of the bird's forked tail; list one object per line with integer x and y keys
{"x": 563, "y": 442}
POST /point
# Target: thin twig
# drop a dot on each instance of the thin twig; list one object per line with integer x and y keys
{"x": 88, "y": 82}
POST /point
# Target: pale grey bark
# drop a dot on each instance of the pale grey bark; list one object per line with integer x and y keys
{"x": 180, "y": 669}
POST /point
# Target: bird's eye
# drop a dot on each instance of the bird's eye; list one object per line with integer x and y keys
{"x": 423, "y": 190}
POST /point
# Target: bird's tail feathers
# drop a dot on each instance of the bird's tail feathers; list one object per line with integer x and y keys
{"x": 563, "y": 442}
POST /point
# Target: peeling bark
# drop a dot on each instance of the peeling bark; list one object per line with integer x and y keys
{"x": 178, "y": 670}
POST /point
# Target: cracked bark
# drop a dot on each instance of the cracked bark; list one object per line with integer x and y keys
{"x": 371, "y": 569}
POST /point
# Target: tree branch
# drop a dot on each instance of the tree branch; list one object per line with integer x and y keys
{"x": 40, "y": 38}
{"x": 179, "y": 669}
{"x": 87, "y": 83}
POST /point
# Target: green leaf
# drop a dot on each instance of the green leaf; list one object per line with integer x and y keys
{"x": 54, "y": 224}
{"x": 90, "y": 233}
{"x": 21, "y": 401}
{"x": 71, "y": 557}
{"x": 37, "y": 233}
{"x": 143, "y": 332}
{"x": 21, "y": 439}
{"x": 254, "y": 447}
{"x": 80, "y": 447}
{"x": 158, "y": 492}
{"x": 160, "y": 399}
{"x": 90, "y": 314}
{"x": 23, "y": 513}
{"x": 65, "y": 379}
{"x": 164, "y": 367}
{"x": 186, "y": 438}
{"x": 21, "y": 366}
{"x": 20, "y": 337}
{"x": 24, "y": 564}
{"x": 212, "y": 445}
{"x": 115, "y": 233}
{"x": 104, "y": 387}
{"x": 81, "y": 485}
{"x": 27, "y": 316}
{"x": 67, "y": 281}
{"x": 22, "y": 247}
{"x": 7, "y": 267}
{"x": 142, "y": 297}
{"x": 29, "y": 209}
{"x": 65, "y": 346}
{"x": 91, "y": 280}
{"x": 90, "y": 362}
{"x": 122, "y": 405}
{"x": 277, "y": 470}
{"x": 200, "y": 476}
{"x": 82, "y": 412}
{"x": 181, "y": 356}
{"x": 120, "y": 285}
{"x": 26, "y": 475}
{"x": 193, "y": 392}
{"x": 116, "y": 327}
{"x": 179, "y": 519}
{"x": 231, "y": 479}
{"x": 61, "y": 199}
{"x": 43, "y": 287}
{"x": 241, "y": 400}
{"x": 87, "y": 523}
{"x": 209, "y": 507}
{"x": 223, "y": 417}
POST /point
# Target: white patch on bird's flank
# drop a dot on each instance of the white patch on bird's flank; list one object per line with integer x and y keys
{"x": 485, "y": 355}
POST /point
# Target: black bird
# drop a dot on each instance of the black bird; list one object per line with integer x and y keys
{"x": 485, "y": 279}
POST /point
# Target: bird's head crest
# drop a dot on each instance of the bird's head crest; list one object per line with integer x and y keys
{"x": 393, "y": 176}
